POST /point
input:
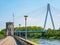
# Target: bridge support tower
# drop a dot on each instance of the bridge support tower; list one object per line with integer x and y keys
{"x": 9, "y": 28}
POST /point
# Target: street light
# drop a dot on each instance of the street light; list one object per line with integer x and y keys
{"x": 19, "y": 26}
{"x": 19, "y": 29}
{"x": 25, "y": 26}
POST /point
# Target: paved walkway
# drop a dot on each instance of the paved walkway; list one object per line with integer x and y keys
{"x": 8, "y": 41}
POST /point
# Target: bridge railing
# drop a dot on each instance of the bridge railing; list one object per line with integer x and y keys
{"x": 24, "y": 42}
{"x": 30, "y": 31}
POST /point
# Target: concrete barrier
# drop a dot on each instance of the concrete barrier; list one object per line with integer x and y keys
{"x": 24, "y": 42}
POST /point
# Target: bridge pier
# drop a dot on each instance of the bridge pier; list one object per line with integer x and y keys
{"x": 18, "y": 33}
{"x": 43, "y": 34}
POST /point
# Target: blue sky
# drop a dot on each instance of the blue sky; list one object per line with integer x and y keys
{"x": 35, "y": 9}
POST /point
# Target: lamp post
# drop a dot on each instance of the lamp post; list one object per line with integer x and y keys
{"x": 19, "y": 26}
{"x": 19, "y": 29}
{"x": 25, "y": 26}
{"x": 13, "y": 23}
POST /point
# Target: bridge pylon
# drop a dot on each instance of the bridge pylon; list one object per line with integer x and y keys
{"x": 49, "y": 10}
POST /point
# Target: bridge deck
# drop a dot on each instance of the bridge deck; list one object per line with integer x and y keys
{"x": 8, "y": 41}
{"x": 15, "y": 40}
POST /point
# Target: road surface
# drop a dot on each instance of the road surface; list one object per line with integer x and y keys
{"x": 9, "y": 40}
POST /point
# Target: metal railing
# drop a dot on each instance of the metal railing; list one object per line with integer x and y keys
{"x": 21, "y": 41}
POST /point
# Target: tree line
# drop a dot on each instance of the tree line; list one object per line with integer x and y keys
{"x": 49, "y": 34}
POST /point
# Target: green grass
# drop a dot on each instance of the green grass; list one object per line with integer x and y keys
{"x": 33, "y": 40}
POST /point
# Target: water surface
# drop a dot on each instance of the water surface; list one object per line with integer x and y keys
{"x": 47, "y": 42}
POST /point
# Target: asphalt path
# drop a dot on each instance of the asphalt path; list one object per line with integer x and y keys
{"x": 9, "y": 40}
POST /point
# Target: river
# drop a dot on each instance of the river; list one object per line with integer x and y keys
{"x": 48, "y": 42}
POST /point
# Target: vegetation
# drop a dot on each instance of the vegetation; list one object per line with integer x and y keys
{"x": 49, "y": 34}
{"x": 33, "y": 40}
{"x": 52, "y": 34}
{"x": 29, "y": 28}
{"x": 2, "y": 33}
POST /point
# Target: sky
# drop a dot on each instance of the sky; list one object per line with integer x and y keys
{"x": 34, "y": 9}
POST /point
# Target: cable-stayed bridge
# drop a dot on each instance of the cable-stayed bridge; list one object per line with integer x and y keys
{"x": 13, "y": 36}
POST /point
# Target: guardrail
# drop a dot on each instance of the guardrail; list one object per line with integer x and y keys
{"x": 22, "y": 41}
